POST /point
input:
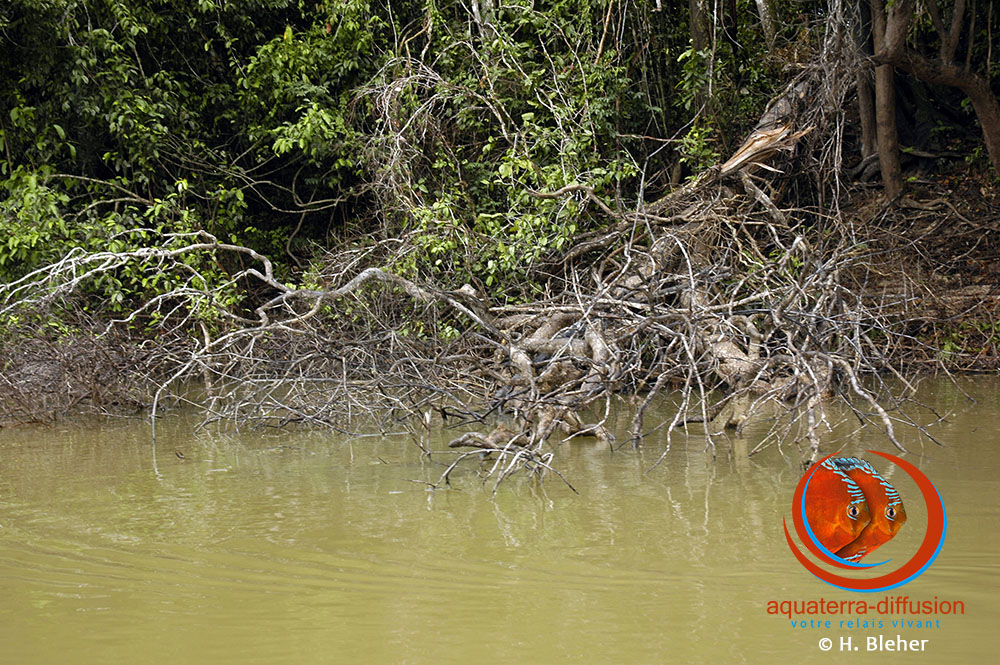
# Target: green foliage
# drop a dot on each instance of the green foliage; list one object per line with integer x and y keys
{"x": 117, "y": 116}
{"x": 973, "y": 338}
{"x": 528, "y": 110}
{"x": 277, "y": 124}
{"x": 695, "y": 77}
{"x": 696, "y": 148}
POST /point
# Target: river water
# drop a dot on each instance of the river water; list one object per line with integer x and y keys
{"x": 309, "y": 548}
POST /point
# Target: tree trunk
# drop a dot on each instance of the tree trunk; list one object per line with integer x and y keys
{"x": 984, "y": 102}
{"x": 944, "y": 70}
{"x": 483, "y": 12}
{"x": 730, "y": 26}
{"x": 888, "y": 138}
{"x": 885, "y": 107}
{"x": 699, "y": 29}
{"x": 767, "y": 21}
{"x": 866, "y": 90}
{"x": 866, "y": 110}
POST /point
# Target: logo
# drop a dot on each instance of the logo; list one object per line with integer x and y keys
{"x": 843, "y": 510}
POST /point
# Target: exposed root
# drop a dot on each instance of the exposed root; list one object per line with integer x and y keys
{"x": 741, "y": 306}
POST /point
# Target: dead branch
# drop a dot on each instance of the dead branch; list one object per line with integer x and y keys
{"x": 744, "y": 309}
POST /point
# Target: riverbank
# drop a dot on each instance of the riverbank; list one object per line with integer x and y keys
{"x": 927, "y": 275}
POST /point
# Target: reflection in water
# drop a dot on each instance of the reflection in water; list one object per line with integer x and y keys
{"x": 304, "y": 548}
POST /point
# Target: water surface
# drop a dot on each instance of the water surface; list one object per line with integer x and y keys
{"x": 308, "y": 548}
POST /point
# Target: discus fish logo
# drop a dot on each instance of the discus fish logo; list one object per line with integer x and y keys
{"x": 843, "y": 510}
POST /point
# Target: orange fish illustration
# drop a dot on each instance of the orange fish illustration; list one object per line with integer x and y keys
{"x": 884, "y": 503}
{"x": 835, "y": 506}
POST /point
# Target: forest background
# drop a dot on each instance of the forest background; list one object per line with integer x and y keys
{"x": 498, "y": 214}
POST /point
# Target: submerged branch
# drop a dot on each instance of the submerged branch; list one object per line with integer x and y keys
{"x": 740, "y": 305}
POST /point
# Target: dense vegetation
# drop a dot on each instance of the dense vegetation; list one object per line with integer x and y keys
{"x": 179, "y": 176}
{"x": 291, "y": 126}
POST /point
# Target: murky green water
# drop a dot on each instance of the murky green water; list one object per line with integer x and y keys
{"x": 305, "y": 548}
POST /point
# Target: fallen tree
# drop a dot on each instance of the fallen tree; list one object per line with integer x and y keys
{"x": 746, "y": 293}
{"x": 714, "y": 291}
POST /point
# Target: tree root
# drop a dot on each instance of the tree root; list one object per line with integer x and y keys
{"x": 739, "y": 306}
